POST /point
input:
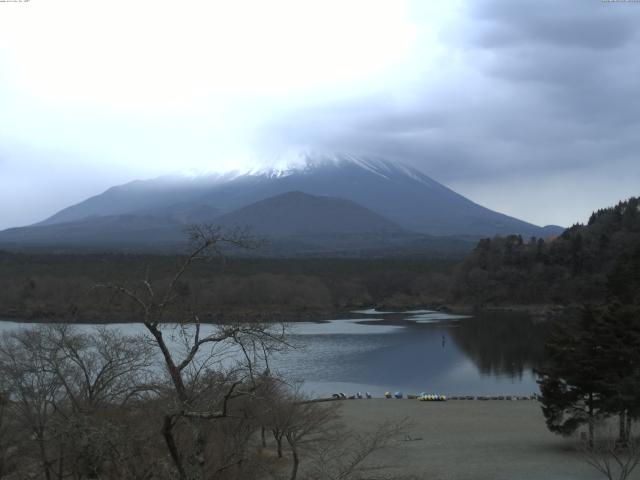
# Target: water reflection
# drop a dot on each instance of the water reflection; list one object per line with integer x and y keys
{"x": 487, "y": 354}
{"x": 342, "y": 327}
{"x": 501, "y": 343}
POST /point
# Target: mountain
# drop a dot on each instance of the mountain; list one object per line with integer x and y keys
{"x": 400, "y": 193}
{"x": 301, "y": 214}
{"x": 168, "y": 196}
{"x": 108, "y": 231}
{"x": 295, "y": 218}
{"x": 294, "y": 224}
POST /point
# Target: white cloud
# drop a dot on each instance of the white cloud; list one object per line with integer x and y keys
{"x": 473, "y": 92}
{"x": 154, "y": 54}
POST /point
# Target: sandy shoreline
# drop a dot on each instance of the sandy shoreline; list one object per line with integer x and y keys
{"x": 476, "y": 440}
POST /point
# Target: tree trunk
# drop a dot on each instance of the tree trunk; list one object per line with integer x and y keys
{"x": 60, "y": 465}
{"x": 296, "y": 459}
{"x": 623, "y": 434}
{"x": 167, "y": 432}
{"x": 279, "y": 441}
{"x": 174, "y": 372}
{"x": 278, "y": 436}
{"x": 591, "y": 427}
{"x": 43, "y": 457}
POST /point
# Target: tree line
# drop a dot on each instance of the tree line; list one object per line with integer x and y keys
{"x": 576, "y": 267}
{"x": 58, "y": 287}
{"x": 573, "y": 268}
{"x": 591, "y": 373}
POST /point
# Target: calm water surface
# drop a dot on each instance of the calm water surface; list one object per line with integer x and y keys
{"x": 421, "y": 350}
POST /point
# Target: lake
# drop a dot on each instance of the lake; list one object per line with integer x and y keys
{"x": 414, "y": 351}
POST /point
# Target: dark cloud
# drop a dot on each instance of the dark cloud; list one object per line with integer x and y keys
{"x": 517, "y": 95}
{"x": 542, "y": 89}
{"x": 595, "y": 83}
{"x": 571, "y": 23}
{"x": 539, "y": 100}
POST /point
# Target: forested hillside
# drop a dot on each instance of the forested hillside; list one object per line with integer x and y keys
{"x": 581, "y": 265}
{"x": 60, "y": 287}
{"x": 586, "y": 264}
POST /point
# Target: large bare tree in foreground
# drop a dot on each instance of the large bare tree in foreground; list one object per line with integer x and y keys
{"x": 212, "y": 370}
{"x": 183, "y": 400}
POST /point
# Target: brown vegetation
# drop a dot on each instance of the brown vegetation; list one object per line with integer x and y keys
{"x": 179, "y": 402}
{"x": 59, "y": 287}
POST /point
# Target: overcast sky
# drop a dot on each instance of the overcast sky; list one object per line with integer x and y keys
{"x": 531, "y": 108}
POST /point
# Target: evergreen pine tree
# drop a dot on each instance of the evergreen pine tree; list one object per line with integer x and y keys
{"x": 571, "y": 382}
{"x": 619, "y": 334}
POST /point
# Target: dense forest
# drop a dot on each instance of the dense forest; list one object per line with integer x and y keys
{"x": 580, "y": 266}
{"x": 591, "y": 367}
{"x": 47, "y": 286}
{"x": 572, "y": 268}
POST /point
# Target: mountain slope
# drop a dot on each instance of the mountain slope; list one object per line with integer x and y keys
{"x": 164, "y": 194}
{"x": 399, "y": 193}
{"x": 292, "y": 214}
{"x": 110, "y": 230}
{"x": 295, "y": 224}
{"x": 301, "y": 214}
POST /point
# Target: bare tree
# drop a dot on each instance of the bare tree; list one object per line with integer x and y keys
{"x": 32, "y": 388}
{"x": 345, "y": 455}
{"x": 100, "y": 404}
{"x": 614, "y": 459}
{"x": 103, "y": 367}
{"x": 7, "y": 447}
{"x": 162, "y": 309}
{"x": 305, "y": 423}
{"x": 318, "y": 444}
{"x": 70, "y": 389}
{"x": 100, "y": 372}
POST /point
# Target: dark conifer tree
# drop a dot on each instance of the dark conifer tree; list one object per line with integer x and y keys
{"x": 571, "y": 382}
{"x": 624, "y": 281}
{"x": 592, "y": 371}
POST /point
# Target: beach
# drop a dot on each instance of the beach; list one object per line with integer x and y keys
{"x": 470, "y": 439}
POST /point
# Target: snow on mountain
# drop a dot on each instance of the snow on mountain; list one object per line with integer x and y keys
{"x": 306, "y": 162}
{"x": 398, "y": 192}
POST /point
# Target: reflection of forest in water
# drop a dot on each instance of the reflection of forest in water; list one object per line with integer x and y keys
{"x": 502, "y": 343}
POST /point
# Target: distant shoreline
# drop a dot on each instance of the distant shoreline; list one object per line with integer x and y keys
{"x": 538, "y": 311}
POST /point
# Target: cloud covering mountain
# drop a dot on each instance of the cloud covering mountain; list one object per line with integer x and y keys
{"x": 529, "y": 108}
{"x": 320, "y": 196}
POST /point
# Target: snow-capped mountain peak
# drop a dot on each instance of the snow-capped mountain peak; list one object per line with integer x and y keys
{"x": 308, "y": 162}
{"x": 398, "y": 192}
